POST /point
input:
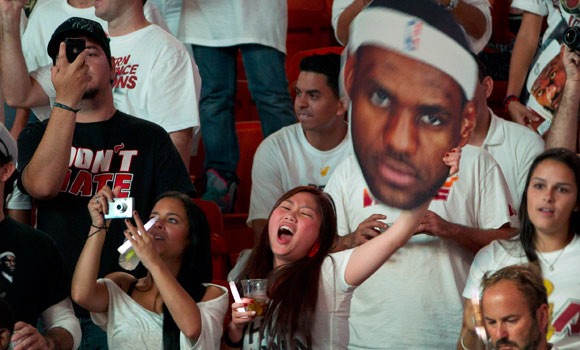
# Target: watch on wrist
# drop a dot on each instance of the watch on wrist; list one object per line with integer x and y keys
{"x": 452, "y": 5}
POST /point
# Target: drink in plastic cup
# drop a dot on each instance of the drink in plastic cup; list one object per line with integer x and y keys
{"x": 256, "y": 290}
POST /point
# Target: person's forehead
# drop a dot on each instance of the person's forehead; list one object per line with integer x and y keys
{"x": 311, "y": 80}
{"x": 379, "y": 64}
{"x": 504, "y": 295}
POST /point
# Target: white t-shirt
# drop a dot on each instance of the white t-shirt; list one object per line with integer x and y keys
{"x": 44, "y": 20}
{"x": 285, "y": 160}
{"x": 552, "y": 9}
{"x": 221, "y": 23}
{"x": 171, "y": 12}
{"x": 477, "y": 45}
{"x": 330, "y": 321}
{"x": 414, "y": 300}
{"x": 156, "y": 79}
{"x": 562, "y": 284}
{"x": 514, "y": 148}
{"x": 130, "y": 326}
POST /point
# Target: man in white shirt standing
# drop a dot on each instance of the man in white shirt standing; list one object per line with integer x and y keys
{"x": 513, "y": 146}
{"x": 154, "y": 73}
{"x": 305, "y": 153}
{"x": 409, "y": 107}
{"x": 217, "y": 29}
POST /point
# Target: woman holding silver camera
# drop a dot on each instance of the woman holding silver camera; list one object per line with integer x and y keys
{"x": 173, "y": 306}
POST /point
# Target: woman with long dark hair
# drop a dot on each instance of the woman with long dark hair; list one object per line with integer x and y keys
{"x": 309, "y": 288}
{"x": 173, "y": 306}
{"x": 550, "y": 238}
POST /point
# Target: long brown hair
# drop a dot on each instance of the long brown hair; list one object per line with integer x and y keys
{"x": 293, "y": 287}
{"x": 528, "y": 230}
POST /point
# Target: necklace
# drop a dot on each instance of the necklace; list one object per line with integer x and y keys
{"x": 551, "y": 266}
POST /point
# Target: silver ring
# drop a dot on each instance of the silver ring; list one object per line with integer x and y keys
{"x": 96, "y": 199}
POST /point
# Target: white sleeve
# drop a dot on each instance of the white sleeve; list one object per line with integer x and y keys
{"x": 338, "y": 7}
{"x": 102, "y": 318}
{"x": 477, "y": 45}
{"x": 18, "y": 200}
{"x": 533, "y": 6}
{"x": 492, "y": 205}
{"x": 333, "y": 269}
{"x": 266, "y": 180}
{"x": 42, "y": 75}
{"x": 153, "y": 15}
{"x": 32, "y": 43}
{"x": 173, "y": 80}
{"x": 213, "y": 313}
{"x": 334, "y": 188}
{"x": 62, "y": 315}
{"x": 481, "y": 264}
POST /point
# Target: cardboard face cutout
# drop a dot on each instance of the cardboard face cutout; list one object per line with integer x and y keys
{"x": 409, "y": 91}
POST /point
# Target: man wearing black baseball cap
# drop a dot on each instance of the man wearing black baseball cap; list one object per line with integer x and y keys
{"x": 76, "y": 27}
{"x": 87, "y": 144}
{"x": 37, "y": 285}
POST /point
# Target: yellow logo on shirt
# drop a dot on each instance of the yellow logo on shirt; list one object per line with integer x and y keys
{"x": 324, "y": 171}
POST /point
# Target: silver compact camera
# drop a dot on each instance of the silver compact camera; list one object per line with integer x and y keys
{"x": 121, "y": 208}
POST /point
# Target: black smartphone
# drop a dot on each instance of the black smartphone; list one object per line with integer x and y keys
{"x": 73, "y": 48}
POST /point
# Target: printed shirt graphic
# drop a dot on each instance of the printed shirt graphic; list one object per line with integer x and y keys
{"x": 285, "y": 160}
{"x": 562, "y": 284}
{"x": 478, "y": 198}
{"x": 123, "y": 151}
{"x": 29, "y": 259}
{"x": 46, "y": 17}
{"x": 155, "y": 79}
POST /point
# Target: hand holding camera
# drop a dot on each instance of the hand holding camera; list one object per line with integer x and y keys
{"x": 106, "y": 205}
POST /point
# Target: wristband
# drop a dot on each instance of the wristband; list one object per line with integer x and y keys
{"x": 60, "y": 105}
{"x": 508, "y": 99}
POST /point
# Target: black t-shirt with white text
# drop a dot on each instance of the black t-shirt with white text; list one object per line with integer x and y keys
{"x": 122, "y": 151}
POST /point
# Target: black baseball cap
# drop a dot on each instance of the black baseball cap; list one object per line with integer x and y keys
{"x": 75, "y": 27}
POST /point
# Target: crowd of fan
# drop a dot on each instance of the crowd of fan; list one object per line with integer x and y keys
{"x": 391, "y": 208}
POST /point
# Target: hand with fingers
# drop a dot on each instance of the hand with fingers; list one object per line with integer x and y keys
{"x": 240, "y": 319}
{"x": 368, "y": 229}
{"x": 70, "y": 80}
{"x": 433, "y": 225}
{"x": 522, "y": 114}
{"x": 571, "y": 60}
{"x": 452, "y": 159}
{"x": 142, "y": 242}
{"x": 99, "y": 206}
{"x": 27, "y": 337}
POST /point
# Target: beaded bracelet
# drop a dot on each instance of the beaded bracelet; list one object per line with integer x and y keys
{"x": 509, "y": 99}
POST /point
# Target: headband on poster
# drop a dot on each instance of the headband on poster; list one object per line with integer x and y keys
{"x": 416, "y": 38}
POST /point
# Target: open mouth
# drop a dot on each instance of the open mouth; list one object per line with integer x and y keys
{"x": 546, "y": 210}
{"x": 285, "y": 234}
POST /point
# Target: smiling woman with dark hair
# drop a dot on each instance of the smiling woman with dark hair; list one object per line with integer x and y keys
{"x": 549, "y": 237}
{"x": 309, "y": 288}
{"x": 173, "y": 306}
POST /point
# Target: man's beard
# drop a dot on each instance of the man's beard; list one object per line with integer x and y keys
{"x": 534, "y": 338}
{"x": 90, "y": 94}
